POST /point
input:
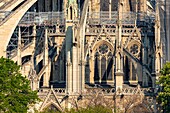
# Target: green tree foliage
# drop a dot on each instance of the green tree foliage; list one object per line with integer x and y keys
{"x": 15, "y": 92}
{"x": 164, "y": 82}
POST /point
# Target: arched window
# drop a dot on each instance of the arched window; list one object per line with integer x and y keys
{"x": 110, "y": 66}
{"x": 104, "y": 5}
{"x": 71, "y": 13}
{"x": 103, "y": 64}
{"x": 134, "y": 73}
{"x": 60, "y": 5}
{"x": 96, "y": 68}
{"x": 132, "y": 4}
{"x": 126, "y": 69}
{"x": 114, "y": 5}
{"x": 87, "y": 70}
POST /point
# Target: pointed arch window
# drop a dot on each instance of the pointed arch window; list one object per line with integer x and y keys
{"x": 103, "y": 64}
{"x": 71, "y": 13}
{"x": 104, "y": 5}
{"x": 114, "y": 4}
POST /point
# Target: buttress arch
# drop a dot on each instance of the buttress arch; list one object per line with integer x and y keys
{"x": 8, "y": 26}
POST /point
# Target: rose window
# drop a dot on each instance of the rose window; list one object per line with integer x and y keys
{"x": 103, "y": 49}
{"x": 134, "y": 49}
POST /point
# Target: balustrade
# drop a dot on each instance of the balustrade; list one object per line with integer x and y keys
{"x": 56, "y": 90}
{"x": 60, "y": 90}
{"x": 104, "y": 91}
{"x": 95, "y": 30}
{"x": 125, "y": 91}
{"x": 127, "y": 30}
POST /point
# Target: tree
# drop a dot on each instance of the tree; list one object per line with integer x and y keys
{"x": 92, "y": 100}
{"x": 15, "y": 91}
{"x": 164, "y": 95}
{"x": 136, "y": 104}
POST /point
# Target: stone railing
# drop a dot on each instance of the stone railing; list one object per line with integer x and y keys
{"x": 95, "y": 30}
{"x": 127, "y": 31}
{"x": 141, "y": 91}
{"x": 58, "y": 91}
{"x": 101, "y": 91}
{"x": 105, "y": 91}
{"x": 124, "y": 91}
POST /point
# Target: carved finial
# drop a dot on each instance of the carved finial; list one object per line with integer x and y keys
{"x": 138, "y": 86}
{"x": 51, "y": 86}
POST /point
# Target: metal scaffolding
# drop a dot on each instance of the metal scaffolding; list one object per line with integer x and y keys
{"x": 57, "y": 21}
{"x": 42, "y": 18}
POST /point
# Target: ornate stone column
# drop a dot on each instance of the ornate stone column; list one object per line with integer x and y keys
{"x": 110, "y": 9}
{"x": 69, "y": 78}
{"x": 68, "y": 46}
{"x": 75, "y": 69}
{"x": 119, "y": 49}
{"x": 46, "y": 61}
{"x": 119, "y": 71}
{"x": 158, "y": 51}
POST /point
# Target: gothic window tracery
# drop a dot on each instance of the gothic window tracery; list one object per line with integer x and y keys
{"x": 131, "y": 67}
{"x": 103, "y": 49}
{"x": 103, "y": 63}
{"x": 134, "y": 49}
